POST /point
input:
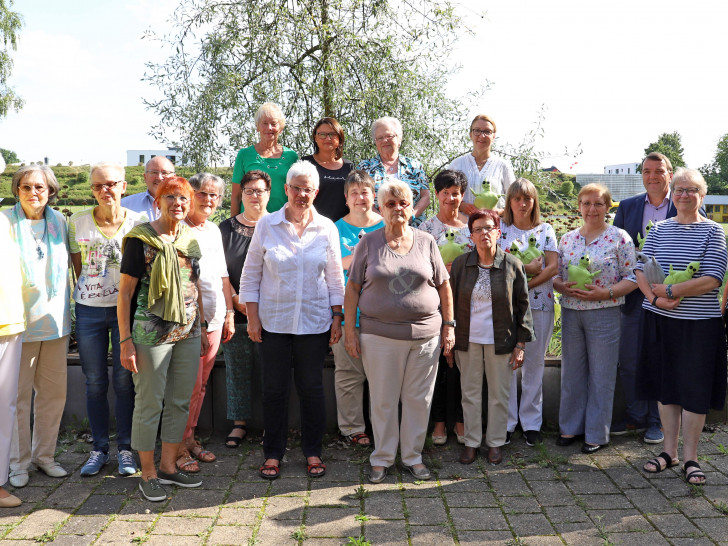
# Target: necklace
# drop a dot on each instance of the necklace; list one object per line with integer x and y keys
{"x": 248, "y": 219}
{"x": 38, "y": 242}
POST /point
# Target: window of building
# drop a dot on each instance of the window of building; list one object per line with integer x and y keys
{"x": 141, "y": 158}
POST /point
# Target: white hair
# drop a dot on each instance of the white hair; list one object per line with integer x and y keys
{"x": 199, "y": 179}
{"x": 388, "y": 121}
{"x": 683, "y": 174}
{"x": 271, "y": 110}
{"x": 396, "y": 188}
{"x": 108, "y": 165}
{"x": 303, "y": 169}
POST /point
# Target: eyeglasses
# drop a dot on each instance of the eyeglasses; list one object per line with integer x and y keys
{"x": 394, "y": 204}
{"x": 163, "y": 174}
{"x": 174, "y": 198}
{"x": 588, "y": 204}
{"x": 481, "y": 132}
{"x": 205, "y": 195}
{"x": 327, "y": 136}
{"x": 108, "y": 185}
{"x": 27, "y": 188}
{"x": 255, "y": 191}
{"x": 384, "y": 138}
{"x": 483, "y": 229}
{"x": 690, "y": 191}
{"x": 302, "y": 191}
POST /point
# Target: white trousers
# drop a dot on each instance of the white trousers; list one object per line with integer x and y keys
{"x": 530, "y": 408}
{"x": 10, "y": 349}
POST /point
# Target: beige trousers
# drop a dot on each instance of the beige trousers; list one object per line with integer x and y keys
{"x": 479, "y": 359}
{"x": 399, "y": 370}
{"x": 43, "y": 370}
{"x": 349, "y": 377}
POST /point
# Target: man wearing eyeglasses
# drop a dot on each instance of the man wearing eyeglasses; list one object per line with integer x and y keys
{"x": 633, "y": 215}
{"x": 157, "y": 170}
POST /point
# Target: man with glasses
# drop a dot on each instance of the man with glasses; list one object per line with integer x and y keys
{"x": 633, "y": 215}
{"x": 157, "y": 170}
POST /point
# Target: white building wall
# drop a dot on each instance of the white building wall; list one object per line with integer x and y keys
{"x": 620, "y": 185}
{"x": 621, "y": 168}
{"x": 135, "y": 157}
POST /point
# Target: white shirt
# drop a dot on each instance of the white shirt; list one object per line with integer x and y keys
{"x": 212, "y": 270}
{"x": 497, "y": 171}
{"x": 295, "y": 281}
{"x": 142, "y": 203}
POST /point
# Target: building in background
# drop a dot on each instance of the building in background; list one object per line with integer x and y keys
{"x": 621, "y": 168}
{"x": 716, "y": 207}
{"x": 140, "y": 157}
{"x": 620, "y": 185}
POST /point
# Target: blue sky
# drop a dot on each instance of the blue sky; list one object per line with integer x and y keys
{"x": 612, "y": 76}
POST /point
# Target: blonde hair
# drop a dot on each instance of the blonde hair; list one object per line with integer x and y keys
{"x": 601, "y": 189}
{"x": 483, "y": 117}
{"x": 271, "y": 110}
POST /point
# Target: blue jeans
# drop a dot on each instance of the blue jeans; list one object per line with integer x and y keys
{"x": 93, "y": 327}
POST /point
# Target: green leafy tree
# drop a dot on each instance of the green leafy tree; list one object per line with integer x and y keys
{"x": 10, "y": 24}
{"x": 716, "y": 173}
{"x": 356, "y": 60}
{"x": 9, "y": 156}
{"x": 670, "y": 145}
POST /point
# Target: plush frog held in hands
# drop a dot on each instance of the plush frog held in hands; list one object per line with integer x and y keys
{"x": 487, "y": 198}
{"x": 528, "y": 254}
{"x": 674, "y": 277}
{"x": 641, "y": 240}
{"x": 580, "y": 273}
{"x": 451, "y": 250}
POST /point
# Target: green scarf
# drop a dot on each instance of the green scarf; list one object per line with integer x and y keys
{"x": 166, "y": 299}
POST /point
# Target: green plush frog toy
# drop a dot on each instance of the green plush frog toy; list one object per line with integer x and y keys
{"x": 674, "y": 277}
{"x": 487, "y": 198}
{"x": 451, "y": 250}
{"x": 580, "y": 273}
{"x": 530, "y": 253}
{"x": 641, "y": 240}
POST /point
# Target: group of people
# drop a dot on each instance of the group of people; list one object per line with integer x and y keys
{"x": 318, "y": 254}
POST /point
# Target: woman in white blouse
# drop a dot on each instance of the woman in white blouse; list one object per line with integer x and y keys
{"x": 293, "y": 288}
{"x": 481, "y": 165}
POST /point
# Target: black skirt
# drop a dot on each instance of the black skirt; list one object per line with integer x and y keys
{"x": 683, "y": 362}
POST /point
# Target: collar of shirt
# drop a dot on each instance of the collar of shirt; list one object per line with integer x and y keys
{"x": 665, "y": 201}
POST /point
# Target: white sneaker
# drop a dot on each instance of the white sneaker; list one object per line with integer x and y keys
{"x": 54, "y": 469}
{"x": 19, "y": 478}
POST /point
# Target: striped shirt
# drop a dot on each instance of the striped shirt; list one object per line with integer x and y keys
{"x": 677, "y": 244}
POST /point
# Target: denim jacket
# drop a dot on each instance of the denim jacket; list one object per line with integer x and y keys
{"x": 512, "y": 321}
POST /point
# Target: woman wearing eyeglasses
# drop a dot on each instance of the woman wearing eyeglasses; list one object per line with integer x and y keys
{"x": 328, "y": 147}
{"x": 215, "y": 289}
{"x": 95, "y": 237}
{"x": 389, "y": 165}
{"x": 482, "y": 165}
{"x": 241, "y": 354}
{"x": 494, "y": 323}
{"x": 266, "y": 155}
{"x": 293, "y": 288}
{"x": 399, "y": 283}
{"x": 160, "y": 311}
{"x": 683, "y": 353}
{"x": 41, "y": 235}
{"x": 590, "y": 320}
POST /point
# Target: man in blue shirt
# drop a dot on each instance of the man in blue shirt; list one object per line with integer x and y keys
{"x": 157, "y": 169}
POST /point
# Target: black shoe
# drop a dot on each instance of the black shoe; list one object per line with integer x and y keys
{"x": 533, "y": 437}
{"x": 591, "y": 448}
{"x": 564, "y": 441}
{"x": 509, "y": 434}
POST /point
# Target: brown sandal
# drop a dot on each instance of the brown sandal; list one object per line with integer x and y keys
{"x": 202, "y": 454}
{"x": 189, "y": 464}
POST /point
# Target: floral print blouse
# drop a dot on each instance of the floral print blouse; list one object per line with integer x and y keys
{"x": 437, "y": 229}
{"x": 541, "y": 297}
{"x": 409, "y": 171}
{"x": 612, "y": 252}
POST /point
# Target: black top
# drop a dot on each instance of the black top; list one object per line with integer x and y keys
{"x": 330, "y": 201}
{"x": 236, "y": 239}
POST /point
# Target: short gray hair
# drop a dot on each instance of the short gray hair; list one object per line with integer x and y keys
{"x": 303, "y": 169}
{"x": 683, "y": 174}
{"x": 397, "y": 189}
{"x": 107, "y": 165}
{"x": 394, "y": 123}
{"x": 45, "y": 170}
{"x": 270, "y": 109}
{"x": 199, "y": 179}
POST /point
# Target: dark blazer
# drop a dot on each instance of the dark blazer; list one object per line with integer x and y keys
{"x": 512, "y": 320}
{"x": 629, "y": 218}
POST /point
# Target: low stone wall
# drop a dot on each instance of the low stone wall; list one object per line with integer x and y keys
{"x": 214, "y": 416}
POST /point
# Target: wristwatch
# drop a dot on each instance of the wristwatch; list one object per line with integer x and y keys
{"x": 448, "y": 323}
{"x": 203, "y": 324}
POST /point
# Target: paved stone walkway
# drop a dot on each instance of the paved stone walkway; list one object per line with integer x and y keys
{"x": 537, "y": 496}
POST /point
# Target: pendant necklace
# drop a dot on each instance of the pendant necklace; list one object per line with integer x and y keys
{"x": 39, "y": 242}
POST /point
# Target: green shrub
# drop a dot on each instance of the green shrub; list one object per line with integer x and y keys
{"x": 82, "y": 177}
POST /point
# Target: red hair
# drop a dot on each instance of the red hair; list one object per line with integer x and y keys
{"x": 171, "y": 185}
{"x": 484, "y": 213}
